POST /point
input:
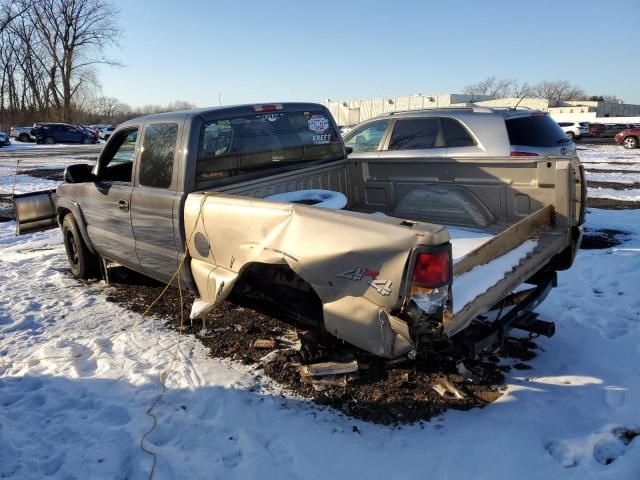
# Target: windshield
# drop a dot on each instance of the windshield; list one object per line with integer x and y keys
{"x": 248, "y": 143}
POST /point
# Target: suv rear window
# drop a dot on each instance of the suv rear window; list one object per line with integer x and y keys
{"x": 259, "y": 141}
{"x": 535, "y": 131}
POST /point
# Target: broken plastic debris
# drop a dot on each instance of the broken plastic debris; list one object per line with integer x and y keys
{"x": 200, "y": 308}
{"x": 446, "y": 389}
{"x": 263, "y": 343}
{"x": 270, "y": 357}
{"x": 330, "y": 368}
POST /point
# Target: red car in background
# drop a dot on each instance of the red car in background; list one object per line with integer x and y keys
{"x": 596, "y": 129}
{"x": 628, "y": 138}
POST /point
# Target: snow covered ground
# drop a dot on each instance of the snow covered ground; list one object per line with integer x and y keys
{"x": 77, "y": 375}
{"x": 622, "y": 166}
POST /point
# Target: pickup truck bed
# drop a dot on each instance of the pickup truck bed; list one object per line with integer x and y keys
{"x": 506, "y": 221}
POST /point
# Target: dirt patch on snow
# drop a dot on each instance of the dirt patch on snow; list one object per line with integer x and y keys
{"x": 612, "y": 204}
{"x": 613, "y": 185}
{"x": 602, "y": 238}
{"x": 7, "y": 211}
{"x": 380, "y": 391}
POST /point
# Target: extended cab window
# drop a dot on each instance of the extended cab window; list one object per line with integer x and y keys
{"x": 116, "y": 163}
{"x": 416, "y": 134}
{"x": 259, "y": 141}
{"x": 156, "y": 158}
{"x": 367, "y": 138}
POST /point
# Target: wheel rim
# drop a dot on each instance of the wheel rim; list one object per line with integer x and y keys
{"x": 629, "y": 142}
{"x": 72, "y": 249}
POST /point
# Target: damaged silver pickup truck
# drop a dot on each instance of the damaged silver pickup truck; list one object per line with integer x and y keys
{"x": 393, "y": 256}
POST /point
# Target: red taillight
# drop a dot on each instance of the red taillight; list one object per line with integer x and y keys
{"x": 523, "y": 154}
{"x": 431, "y": 269}
{"x": 267, "y": 107}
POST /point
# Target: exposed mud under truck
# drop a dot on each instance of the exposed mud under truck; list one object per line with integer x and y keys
{"x": 424, "y": 251}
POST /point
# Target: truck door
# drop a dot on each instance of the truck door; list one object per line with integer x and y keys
{"x": 106, "y": 202}
{"x": 155, "y": 203}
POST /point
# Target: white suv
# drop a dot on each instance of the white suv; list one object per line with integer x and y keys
{"x": 575, "y": 130}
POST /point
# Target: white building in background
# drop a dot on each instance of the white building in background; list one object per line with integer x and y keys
{"x": 349, "y": 112}
{"x": 572, "y": 110}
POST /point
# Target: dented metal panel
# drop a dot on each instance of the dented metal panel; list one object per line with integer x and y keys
{"x": 355, "y": 262}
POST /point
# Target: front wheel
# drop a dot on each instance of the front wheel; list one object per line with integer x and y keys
{"x": 82, "y": 263}
{"x": 630, "y": 142}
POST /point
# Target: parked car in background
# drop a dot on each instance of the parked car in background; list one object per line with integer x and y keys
{"x": 347, "y": 128}
{"x": 596, "y": 129}
{"x": 628, "y": 138}
{"x": 106, "y": 132}
{"x": 575, "y": 130}
{"x": 92, "y": 132}
{"x": 4, "y": 139}
{"x": 612, "y": 129}
{"x": 51, "y": 133}
{"x": 459, "y": 132}
{"x": 22, "y": 134}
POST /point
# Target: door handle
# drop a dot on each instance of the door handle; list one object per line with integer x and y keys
{"x": 123, "y": 205}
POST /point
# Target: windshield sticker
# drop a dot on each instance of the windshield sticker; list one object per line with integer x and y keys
{"x": 271, "y": 117}
{"x": 318, "y": 123}
{"x": 321, "y": 138}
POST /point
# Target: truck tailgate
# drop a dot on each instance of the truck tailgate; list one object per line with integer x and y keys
{"x": 486, "y": 274}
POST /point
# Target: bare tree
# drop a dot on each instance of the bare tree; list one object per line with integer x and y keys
{"x": 557, "y": 90}
{"x": 493, "y": 86}
{"x": 9, "y": 12}
{"x": 74, "y": 33}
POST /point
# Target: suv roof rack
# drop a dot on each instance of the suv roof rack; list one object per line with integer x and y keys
{"x": 476, "y": 109}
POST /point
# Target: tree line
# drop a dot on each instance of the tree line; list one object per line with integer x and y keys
{"x": 552, "y": 90}
{"x": 49, "y": 52}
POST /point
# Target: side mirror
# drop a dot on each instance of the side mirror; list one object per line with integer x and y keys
{"x": 349, "y": 150}
{"x": 78, "y": 173}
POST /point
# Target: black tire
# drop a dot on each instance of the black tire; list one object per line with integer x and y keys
{"x": 106, "y": 137}
{"x": 49, "y": 141}
{"x": 82, "y": 263}
{"x": 571, "y": 136}
{"x": 630, "y": 142}
{"x": 23, "y": 137}
{"x": 86, "y": 140}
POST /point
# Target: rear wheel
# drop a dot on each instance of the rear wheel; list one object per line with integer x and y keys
{"x": 86, "y": 140}
{"x": 630, "y": 142}
{"x": 82, "y": 263}
{"x": 571, "y": 136}
{"x": 23, "y": 137}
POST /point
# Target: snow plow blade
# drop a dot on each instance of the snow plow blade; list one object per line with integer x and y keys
{"x": 35, "y": 211}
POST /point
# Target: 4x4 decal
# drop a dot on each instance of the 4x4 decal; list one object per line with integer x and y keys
{"x": 383, "y": 287}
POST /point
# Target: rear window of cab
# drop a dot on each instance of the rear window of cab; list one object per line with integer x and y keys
{"x": 262, "y": 140}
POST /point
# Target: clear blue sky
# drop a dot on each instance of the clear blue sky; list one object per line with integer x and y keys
{"x": 272, "y": 50}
